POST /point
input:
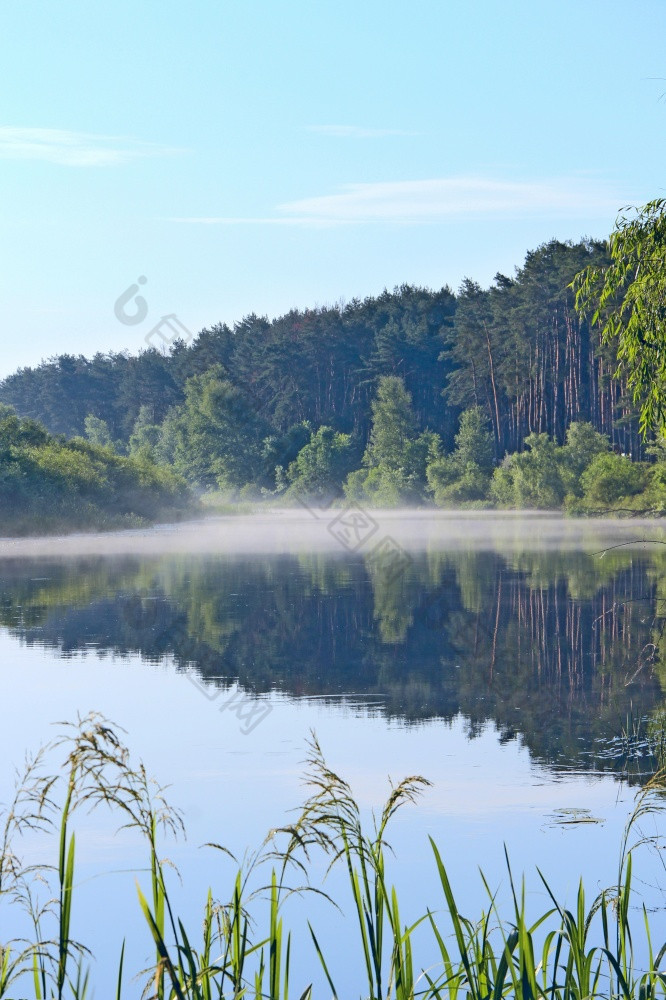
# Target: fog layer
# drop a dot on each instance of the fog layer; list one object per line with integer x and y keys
{"x": 351, "y": 530}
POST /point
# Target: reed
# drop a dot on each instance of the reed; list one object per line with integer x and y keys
{"x": 242, "y": 948}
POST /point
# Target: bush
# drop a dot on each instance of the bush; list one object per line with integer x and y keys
{"x": 381, "y": 487}
{"x": 530, "y": 479}
{"x": 583, "y": 444}
{"x": 464, "y": 475}
{"x": 50, "y": 484}
{"x": 321, "y": 465}
{"x": 610, "y": 478}
{"x": 452, "y": 485}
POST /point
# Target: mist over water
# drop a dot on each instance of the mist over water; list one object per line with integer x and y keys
{"x": 321, "y": 530}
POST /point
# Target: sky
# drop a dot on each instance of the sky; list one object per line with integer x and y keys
{"x": 253, "y": 157}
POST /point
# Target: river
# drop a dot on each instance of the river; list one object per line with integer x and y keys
{"x": 513, "y": 660}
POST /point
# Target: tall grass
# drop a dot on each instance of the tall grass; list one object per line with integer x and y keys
{"x": 242, "y": 949}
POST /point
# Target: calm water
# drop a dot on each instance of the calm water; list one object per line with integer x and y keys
{"x": 515, "y": 662}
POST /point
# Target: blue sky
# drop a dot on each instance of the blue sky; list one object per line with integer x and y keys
{"x": 255, "y": 156}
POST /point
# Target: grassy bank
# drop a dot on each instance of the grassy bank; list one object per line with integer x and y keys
{"x": 49, "y": 484}
{"x": 219, "y": 502}
{"x": 241, "y": 946}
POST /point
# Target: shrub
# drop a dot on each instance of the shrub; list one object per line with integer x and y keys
{"x": 530, "y": 479}
{"x": 583, "y": 444}
{"x": 611, "y": 477}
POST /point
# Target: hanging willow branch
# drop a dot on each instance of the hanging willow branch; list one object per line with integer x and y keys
{"x": 627, "y": 300}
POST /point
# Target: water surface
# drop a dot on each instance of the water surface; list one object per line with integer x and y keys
{"x": 512, "y": 660}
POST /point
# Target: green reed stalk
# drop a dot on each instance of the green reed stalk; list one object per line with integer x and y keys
{"x": 235, "y": 931}
{"x": 157, "y": 887}
{"x": 66, "y": 884}
{"x": 119, "y": 984}
{"x": 275, "y": 945}
{"x": 206, "y": 980}
{"x": 164, "y": 962}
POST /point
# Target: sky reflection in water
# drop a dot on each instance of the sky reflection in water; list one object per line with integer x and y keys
{"x": 517, "y": 674}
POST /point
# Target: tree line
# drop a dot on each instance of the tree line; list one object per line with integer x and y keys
{"x": 370, "y": 397}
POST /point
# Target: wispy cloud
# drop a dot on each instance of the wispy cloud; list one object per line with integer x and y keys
{"x": 74, "y": 149}
{"x": 357, "y": 131}
{"x": 239, "y": 220}
{"x": 440, "y": 200}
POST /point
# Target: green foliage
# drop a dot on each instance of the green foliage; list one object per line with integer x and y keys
{"x": 396, "y": 456}
{"x": 474, "y": 442}
{"x": 382, "y": 487}
{"x": 520, "y": 351}
{"x": 233, "y": 409}
{"x": 170, "y": 438}
{"x": 393, "y": 426}
{"x": 17, "y": 433}
{"x": 145, "y": 435}
{"x": 315, "y": 365}
{"x": 583, "y": 444}
{"x": 470, "y": 484}
{"x": 321, "y": 465}
{"x": 530, "y": 479}
{"x": 625, "y": 298}
{"x": 70, "y": 468}
{"x": 610, "y": 478}
{"x": 215, "y": 438}
{"x": 464, "y": 475}
{"x": 280, "y": 450}
{"x": 48, "y": 483}
{"x": 97, "y": 431}
{"x": 655, "y": 491}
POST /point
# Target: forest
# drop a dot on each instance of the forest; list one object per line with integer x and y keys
{"x": 506, "y": 396}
